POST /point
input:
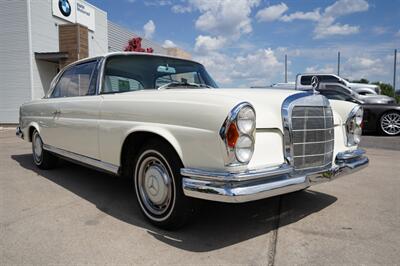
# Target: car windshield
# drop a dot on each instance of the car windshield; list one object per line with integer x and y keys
{"x": 141, "y": 72}
{"x": 338, "y": 95}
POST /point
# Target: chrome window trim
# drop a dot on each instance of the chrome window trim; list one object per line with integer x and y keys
{"x": 286, "y": 109}
{"x": 108, "y": 167}
{"x": 55, "y": 80}
{"x": 100, "y": 78}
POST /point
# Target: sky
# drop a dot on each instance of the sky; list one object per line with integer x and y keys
{"x": 244, "y": 42}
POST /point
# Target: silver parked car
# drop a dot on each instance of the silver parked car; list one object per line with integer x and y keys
{"x": 367, "y": 99}
{"x": 303, "y": 82}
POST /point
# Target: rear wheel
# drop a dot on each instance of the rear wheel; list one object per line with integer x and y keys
{"x": 158, "y": 186}
{"x": 42, "y": 158}
{"x": 390, "y": 123}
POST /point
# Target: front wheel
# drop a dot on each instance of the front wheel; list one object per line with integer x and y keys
{"x": 158, "y": 186}
{"x": 390, "y": 124}
{"x": 42, "y": 158}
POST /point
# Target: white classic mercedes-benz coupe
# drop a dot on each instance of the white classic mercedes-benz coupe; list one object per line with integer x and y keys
{"x": 163, "y": 122}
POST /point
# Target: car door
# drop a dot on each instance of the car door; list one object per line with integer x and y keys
{"x": 78, "y": 112}
{"x": 46, "y": 112}
{"x": 49, "y": 109}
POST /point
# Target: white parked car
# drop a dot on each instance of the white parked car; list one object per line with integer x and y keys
{"x": 303, "y": 82}
{"x": 163, "y": 122}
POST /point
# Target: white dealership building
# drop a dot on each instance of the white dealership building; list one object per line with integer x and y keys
{"x": 37, "y": 38}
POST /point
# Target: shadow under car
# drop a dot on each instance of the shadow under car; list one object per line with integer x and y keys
{"x": 213, "y": 225}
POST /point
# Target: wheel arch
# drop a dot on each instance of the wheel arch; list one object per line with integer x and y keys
{"x": 134, "y": 140}
{"x": 32, "y": 127}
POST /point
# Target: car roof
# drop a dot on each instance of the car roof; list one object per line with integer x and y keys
{"x": 318, "y": 74}
{"x": 106, "y": 55}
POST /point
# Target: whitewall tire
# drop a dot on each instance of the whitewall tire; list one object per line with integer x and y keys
{"x": 158, "y": 185}
{"x": 42, "y": 158}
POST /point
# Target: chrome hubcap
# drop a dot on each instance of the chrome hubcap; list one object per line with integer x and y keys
{"x": 37, "y": 147}
{"x": 390, "y": 123}
{"x": 154, "y": 183}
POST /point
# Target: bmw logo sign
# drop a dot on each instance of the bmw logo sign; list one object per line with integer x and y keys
{"x": 65, "y": 7}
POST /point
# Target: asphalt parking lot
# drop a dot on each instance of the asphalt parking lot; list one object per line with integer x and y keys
{"x": 74, "y": 215}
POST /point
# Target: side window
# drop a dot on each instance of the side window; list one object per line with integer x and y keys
{"x": 333, "y": 95}
{"x": 78, "y": 80}
{"x": 338, "y": 88}
{"x": 61, "y": 89}
{"x": 93, "y": 81}
{"x": 328, "y": 78}
{"x": 305, "y": 80}
{"x": 113, "y": 84}
{"x": 82, "y": 80}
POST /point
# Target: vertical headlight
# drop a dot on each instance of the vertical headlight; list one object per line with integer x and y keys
{"x": 238, "y": 134}
{"x": 246, "y": 120}
{"x": 353, "y": 126}
{"x": 244, "y": 149}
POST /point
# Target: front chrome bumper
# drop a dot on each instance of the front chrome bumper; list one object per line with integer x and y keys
{"x": 263, "y": 183}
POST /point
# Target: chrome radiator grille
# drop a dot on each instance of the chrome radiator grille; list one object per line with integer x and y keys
{"x": 312, "y": 136}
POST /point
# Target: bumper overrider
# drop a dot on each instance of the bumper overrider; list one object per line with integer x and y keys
{"x": 263, "y": 183}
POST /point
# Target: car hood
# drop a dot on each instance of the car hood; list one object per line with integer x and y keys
{"x": 267, "y": 103}
{"x": 211, "y": 106}
{"x": 378, "y": 99}
{"x": 362, "y": 85}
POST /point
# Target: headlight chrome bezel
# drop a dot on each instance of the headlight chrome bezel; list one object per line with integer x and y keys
{"x": 242, "y": 111}
{"x": 354, "y": 126}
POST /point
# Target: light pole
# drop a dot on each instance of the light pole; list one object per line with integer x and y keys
{"x": 285, "y": 68}
{"x": 394, "y": 71}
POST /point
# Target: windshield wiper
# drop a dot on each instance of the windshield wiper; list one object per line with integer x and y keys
{"x": 183, "y": 84}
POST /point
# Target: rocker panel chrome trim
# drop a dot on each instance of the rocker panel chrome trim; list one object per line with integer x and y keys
{"x": 83, "y": 159}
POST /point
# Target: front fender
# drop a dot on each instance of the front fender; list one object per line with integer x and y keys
{"x": 162, "y": 132}
{"x": 342, "y": 108}
{"x": 196, "y": 147}
{"x": 26, "y": 127}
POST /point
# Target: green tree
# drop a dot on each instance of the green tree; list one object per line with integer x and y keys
{"x": 363, "y": 80}
{"x": 387, "y": 89}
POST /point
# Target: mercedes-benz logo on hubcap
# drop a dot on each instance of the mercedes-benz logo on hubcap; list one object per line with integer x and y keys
{"x": 65, "y": 7}
{"x": 153, "y": 186}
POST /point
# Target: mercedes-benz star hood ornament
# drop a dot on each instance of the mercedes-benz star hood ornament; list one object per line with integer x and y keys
{"x": 315, "y": 84}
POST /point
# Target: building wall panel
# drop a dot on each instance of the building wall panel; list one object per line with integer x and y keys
{"x": 98, "y": 41}
{"x": 15, "y": 82}
{"x": 45, "y": 38}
